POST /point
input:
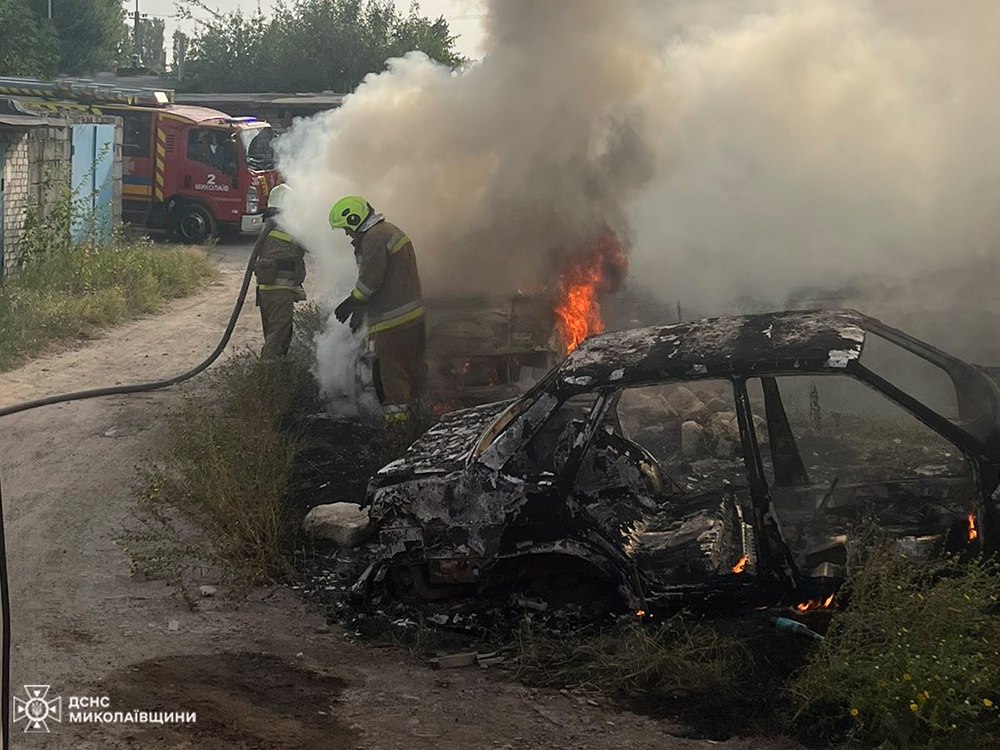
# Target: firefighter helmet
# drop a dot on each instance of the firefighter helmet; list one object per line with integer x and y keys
{"x": 349, "y": 213}
{"x": 278, "y": 196}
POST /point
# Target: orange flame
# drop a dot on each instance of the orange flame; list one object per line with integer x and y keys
{"x": 741, "y": 565}
{"x": 973, "y": 531}
{"x": 583, "y": 285}
{"x": 815, "y": 604}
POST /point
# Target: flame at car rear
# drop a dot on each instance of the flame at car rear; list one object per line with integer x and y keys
{"x": 973, "y": 531}
{"x": 741, "y": 565}
{"x": 585, "y": 282}
{"x": 814, "y": 604}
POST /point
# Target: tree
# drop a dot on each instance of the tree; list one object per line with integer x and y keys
{"x": 28, "y": 44}
{"x": 90, "y": 32}
{"x": 309, "y": 45}
{"x": 227, "y": 55}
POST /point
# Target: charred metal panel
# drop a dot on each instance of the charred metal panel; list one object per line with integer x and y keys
{"x": 718, "y": 347}
{"x": 444, "y": 447}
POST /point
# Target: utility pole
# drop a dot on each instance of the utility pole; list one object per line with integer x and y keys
{"x": 136, "y": 49}
{"x": 50, "y": 9}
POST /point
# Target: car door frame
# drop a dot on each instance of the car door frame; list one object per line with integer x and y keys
{"x": 773, "y": 567}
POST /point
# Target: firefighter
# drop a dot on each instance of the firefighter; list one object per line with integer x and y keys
{"x": 387, "y": 296}
{"x": 280, "y": 271}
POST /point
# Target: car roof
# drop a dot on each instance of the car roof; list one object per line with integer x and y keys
{"x": 809, "y": 341}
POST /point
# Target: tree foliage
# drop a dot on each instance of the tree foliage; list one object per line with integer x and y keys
{"x": 89, "y": 31}
{"x": 310, "y": 45}
{"x": 28, "y": 44}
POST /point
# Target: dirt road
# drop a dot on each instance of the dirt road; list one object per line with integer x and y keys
{"x": 260, "y": 673}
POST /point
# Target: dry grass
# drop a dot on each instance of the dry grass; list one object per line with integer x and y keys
{"x": 677, "y": 657}
{"x": 70, "y": 293}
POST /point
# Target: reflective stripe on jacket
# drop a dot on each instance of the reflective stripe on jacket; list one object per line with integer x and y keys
{"x": 388, "y": 281}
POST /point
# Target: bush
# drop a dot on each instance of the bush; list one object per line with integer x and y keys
{"x": 70, "y": 293}
{"x": 914, "y": 660}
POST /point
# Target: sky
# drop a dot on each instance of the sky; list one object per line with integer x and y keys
{"x": 464, "y": 16}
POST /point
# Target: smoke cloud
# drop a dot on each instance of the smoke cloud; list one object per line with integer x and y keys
{"x": 754, "y": 153}
{"x": 495, "y": 169}
{"x": 835, "y": 152}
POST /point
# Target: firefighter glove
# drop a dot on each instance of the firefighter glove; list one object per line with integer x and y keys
{"x": 346, "y": 308}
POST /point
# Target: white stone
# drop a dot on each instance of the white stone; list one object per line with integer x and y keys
{"x": 724, "y": 426}
{"x": 685, "y": 403}
{"x": 344, "y": 524}
{"x": 715, "y": 404}
{"x": 692, "y": 439}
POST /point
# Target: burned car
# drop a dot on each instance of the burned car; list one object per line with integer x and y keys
{"x": 730, "y": 457}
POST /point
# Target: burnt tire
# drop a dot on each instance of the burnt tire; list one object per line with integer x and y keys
{"x": 192, "y": 224}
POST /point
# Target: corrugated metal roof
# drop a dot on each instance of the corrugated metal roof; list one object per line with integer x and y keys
{"x": 15, "y": 116}
{"x": 24, "y": 121}
{"x": 308, "y": 99}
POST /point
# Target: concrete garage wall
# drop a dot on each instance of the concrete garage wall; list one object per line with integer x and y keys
{"x": 16, "y": 181}
{"x": 37, "y": 172}
{"x": 49, "y": 151}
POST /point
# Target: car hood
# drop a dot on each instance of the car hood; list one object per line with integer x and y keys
{"x": 445, "y": 447}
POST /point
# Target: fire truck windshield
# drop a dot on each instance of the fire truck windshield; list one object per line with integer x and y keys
{"x": 257, "y": 145}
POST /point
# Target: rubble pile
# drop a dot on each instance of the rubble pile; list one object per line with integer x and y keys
{"x": 677, "y": 421}
{"x": 329, "y": 575}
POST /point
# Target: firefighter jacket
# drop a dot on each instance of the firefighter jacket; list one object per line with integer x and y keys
{"x": 281, "y": 262}
{"x": 388, "y": 282}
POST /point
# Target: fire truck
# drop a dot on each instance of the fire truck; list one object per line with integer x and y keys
{"x": 192, "y": 171}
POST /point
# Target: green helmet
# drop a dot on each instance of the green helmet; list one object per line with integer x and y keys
{"x": 349, "y": 213}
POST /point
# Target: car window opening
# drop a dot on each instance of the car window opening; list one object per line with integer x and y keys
{"x": 851, "y": 453}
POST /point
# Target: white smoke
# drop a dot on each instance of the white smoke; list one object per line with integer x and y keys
{"x": 752, "y": 150}
{"x": 824, "y": 145}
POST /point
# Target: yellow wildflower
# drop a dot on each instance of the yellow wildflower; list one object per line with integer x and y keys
{"x": 914, "y": 707}
{"x": 988, "y": 703}
{"x": 855, "y": 712}
{"x": 906, "y": 677}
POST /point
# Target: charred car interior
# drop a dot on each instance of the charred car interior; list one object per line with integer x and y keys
{"x": 728, "y": 458}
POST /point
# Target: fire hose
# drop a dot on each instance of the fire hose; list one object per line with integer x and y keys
{"x": 119, "y": 390}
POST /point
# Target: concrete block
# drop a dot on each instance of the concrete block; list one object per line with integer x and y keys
{"x": 692, "y": 439}
{"x": 344, "y": 524}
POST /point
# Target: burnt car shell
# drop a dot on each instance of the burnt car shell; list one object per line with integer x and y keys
{"x": 452, "y": 511}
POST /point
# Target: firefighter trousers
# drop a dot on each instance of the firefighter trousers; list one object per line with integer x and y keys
{"x": 400, "y": 369}
{"x": 277, "y": 310}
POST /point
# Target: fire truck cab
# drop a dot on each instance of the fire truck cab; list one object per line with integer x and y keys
{"x": 195, "y": 171}
{"x": 192, "y": 171}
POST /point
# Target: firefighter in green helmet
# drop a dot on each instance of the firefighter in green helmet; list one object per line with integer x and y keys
{"x": 387, "y": 296}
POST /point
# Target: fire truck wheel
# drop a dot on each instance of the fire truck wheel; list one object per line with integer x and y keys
{"x": 193, "y": 224}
